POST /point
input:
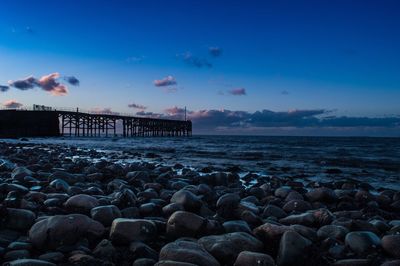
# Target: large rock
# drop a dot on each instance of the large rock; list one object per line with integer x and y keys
{"x": 20, "y": 219}
{"x": 391, "y": 245}
{"x": 322, "y": 194}
{"x": 105, "y": 214}
{"x": 187, "y": 199}
{"x": 29, "y": 262}
{"x": 225, "y": 248}
{"x": 275, "y": 211}
{"x": 61, "y": 230}
{"x": 297, "y": 205}
{"x": 227, "y": 204}
{"x": 182, "y": 223}
{"x": 292, "y": 248}
{"x": 19, "y": 173}
{"x": 270, "y": 233}
{"x": 332, "y": 231}
{"x": 362, "y": 242}
{"x": 247, "y": 258}
{"x": 127, "y": 230}
{"x": 187, "y": 252}
{"x": 81, "y": 203}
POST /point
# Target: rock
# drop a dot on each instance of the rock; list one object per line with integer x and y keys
{"x": 391, "y": 263}
{"x": 182, "y": 223}
{"x": 322, "y": 216}
{"x": 352, "y": 262}
{"x": 246, "y": 258}
{"x": 54, "y": 257}
{"x": 225, "y": 248}
{"x": 105, "y": 250}
{"x": 29, "y": 262}
{"x": 19, "y": 245}
{"x": 173, "y": 263}
{"x": 171, "y": 208}
{"x": 188, "y": 252}
{"x": 275, "y": 211}
{"x": 127, "y": 230}
{"x": 303, "y": 219}
{"x": 81, "y": 203}
{"x": 20, "y": 219}
{"x": 17, "y": 254}
{"x": 362, "y": 242}
{"x": 187, "y": 199}
{"x": 236, "y": 226}
{"x": 297, "y": 205}
{"x": 63, "y": 230}
{"x": 332, "y": 231}
{"x": 270, "y": 233}
{"x": 105, "y": 214}
{"x": 141, "y": 250}
{"x": 144, "y": 262}
{"x": 292, "y": 249}
{"x": 19, "y": 173}
{"x": 391, "y": 245}
{"x": 59, "y": 185}
{"x": 322, "y": 194}
{"x": 227, "y": 204}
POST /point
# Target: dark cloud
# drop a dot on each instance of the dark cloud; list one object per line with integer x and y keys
{"x": 47, "y": 83}
{"x": 149, "y": 114}
{"x": 238, "y": 91}
{"x": 167, "y": 81}
{"x": 195, "y": 61}
{"x": 99, "y": 110}
{"x": 72, "y": 80}
{"x": 12, "y": 104}
{"x": 24, "y": 84}
{"x": 4, "y": 88}
{"x": 137, "y": 106}
{"x": 215, "y": 51}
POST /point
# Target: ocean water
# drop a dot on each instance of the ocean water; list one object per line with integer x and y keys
{"x": 372, "y": 160}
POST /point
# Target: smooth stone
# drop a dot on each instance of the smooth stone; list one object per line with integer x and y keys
{"x": 17, "y": 254}
{"x": 81, "y": 203}
{"x": 332, "y": 231}
{"x": 352, "y": 262}
{"x": 391, "y": 263}
{"x": 54, "y": 257}
{"x": 227, "y": 204}
{"x": 105, "y": 214}
{"x": 185, "y": 224}
{"x": 236, "y": 226}
{"x": 105, "y": 250}
{"x": 141, "y": 250}
{"x": 144, "y": 262}
{"x": 247, "y": 258}
{"x": 270, "y": 233}
{"x": 322, "y": 194}
{"x": 391, "y": 245}
{"x": 225, "y": 248}
{"x": 20, "y": 219}
{"x": 275, "y": 211}
{"x": 187, "y": 199}
{"x": 187, "y": 252}
{"x": 29, "y": 262}
{"x": 297, "y": 205}
{"x": 127, "y": 230}
{"x": 59, "y": 185}
{"x": 59, "y": 230}
{"x": 362, "y": 242}
{"x": 171, "y": 208}
{"x": 20, "y": 172}
{"x": 173, "y": 263}
{"x": 303, "y": 219}
{"x": 19, "y": 245}
{"x": 292, "y": 249}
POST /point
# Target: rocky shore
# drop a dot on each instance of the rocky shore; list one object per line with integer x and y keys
{"x": 61, "y": 205}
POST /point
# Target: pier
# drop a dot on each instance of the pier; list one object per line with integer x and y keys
{"x": 41, "y": 121}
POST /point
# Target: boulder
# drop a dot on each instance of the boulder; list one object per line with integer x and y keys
{"x": 246, "y": 258}
{"x": 127, "y": 230}
{"x": 182, "y": 223}
{"x": 292, "y": 249}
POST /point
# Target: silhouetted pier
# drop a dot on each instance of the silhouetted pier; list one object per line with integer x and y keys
{"x": 45, "y": 121}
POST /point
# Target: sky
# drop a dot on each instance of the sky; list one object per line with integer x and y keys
{"x": 240, "y": 67}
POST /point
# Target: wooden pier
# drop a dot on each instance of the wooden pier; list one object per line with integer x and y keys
{"x": 46, "y": 121}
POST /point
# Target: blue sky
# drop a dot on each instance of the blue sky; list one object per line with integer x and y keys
{"x": 341, "y": 57}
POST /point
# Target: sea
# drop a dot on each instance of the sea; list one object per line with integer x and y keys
{"x": 322, "y": 159}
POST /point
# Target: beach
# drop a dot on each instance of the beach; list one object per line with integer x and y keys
{"x": 200, "y": 201}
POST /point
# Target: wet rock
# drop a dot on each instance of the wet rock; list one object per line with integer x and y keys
{"x": 303, "y": 219}
{"x": 127, "y": 230}
{"x": 141, "y": 250}
{"x": 59, "y": 185}
{"x": 391, "y": 263}
{"x": 182, "y": 223}
{"x": 225, "y": 248}
{"x": 322, "y": 216}
{"x": 187, "y": 252}
{"x": 63, "y": 230}
{"x": 187, "y": 199}
{"x": 322, "y": 194}
{"x": 19, "y": 173}
{"x": 362, "y": 242}
{"x": 173, "y": 263}
{"x": 246, "y": 258}
{"x": 292, "y": 249}
{"x": 29, "y": 262}
{"x": 105, "y": 250}
{"x": 391, "y": 245}
{"x": 53, "y": 257}
{"x": 81, "y": 203}
{"x": 270, "y": 233}
{"x": 17, "y": 254}
{"x": 352, "y": 262}
{"x": 20, "y": 219}
{"x": 144, "y": 262}
{"x": 171, "y": 208}
{"x": 297, "y": 205}
{"x": 275, "y": 211}
{"x": 332, "y": 231}
{"x": 105, "y": 214}
{"x": 227, "y": 204}
{"x": 236, "y": 226}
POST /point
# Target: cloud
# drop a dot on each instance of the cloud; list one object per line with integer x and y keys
{"x": 72, "y": 80}
{"x": 29, "y": 30}
{"x": 12, "y": 104}
{"x": 47, "y": 83}
{"x": 215, "y": 51}
{"x": 284, "y": 92}
{"x": 238, "y": 91}
{"x": 149, "y": 114}
{"x": 24, "y": 84}
{"x": 174, "y": 111}
{"x": 4, "y": 88}
{"x": 99, "y": 110}
{"x": 137, "y": 106}
{"x": 167, "y": 81}
{"x": 194, "y": 61}
{"x": 50, "y": 84}
{"x": 135, "y": 59}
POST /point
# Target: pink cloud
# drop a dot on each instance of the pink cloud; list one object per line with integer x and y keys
{"x": 12, "y": 104}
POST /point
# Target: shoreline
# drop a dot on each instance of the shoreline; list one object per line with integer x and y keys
{"x": 66, "y": 210}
